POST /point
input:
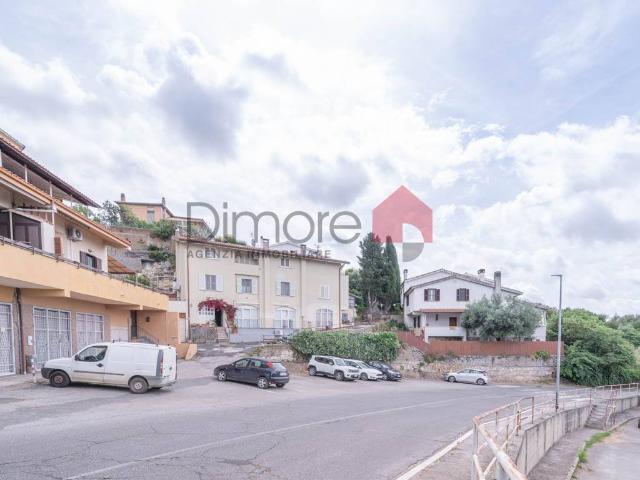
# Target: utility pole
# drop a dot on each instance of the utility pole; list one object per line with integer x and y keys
{"x": 559, "y": 346}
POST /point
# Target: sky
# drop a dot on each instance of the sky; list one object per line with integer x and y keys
{"x": 518, "y": 123}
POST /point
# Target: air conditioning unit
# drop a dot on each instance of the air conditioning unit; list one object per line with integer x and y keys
{"x": 74, "y": 234}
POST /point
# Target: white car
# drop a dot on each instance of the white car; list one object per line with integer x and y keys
{"x": 367, "y": 372}
{"x": 332, "y": 367}
{"x": 468, "y": 375}
{"x": 139, "y": 366}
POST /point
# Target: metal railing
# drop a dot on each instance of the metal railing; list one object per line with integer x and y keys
{"x": 495, "y": 430}
{"x": 59, "y": 258}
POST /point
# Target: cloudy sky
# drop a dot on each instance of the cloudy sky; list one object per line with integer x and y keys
{"x": 517, "y": 122}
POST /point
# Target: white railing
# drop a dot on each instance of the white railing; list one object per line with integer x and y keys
{"x": 494, "y": 431}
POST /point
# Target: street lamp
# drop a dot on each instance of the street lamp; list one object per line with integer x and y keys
{"x": 559, "y": 344}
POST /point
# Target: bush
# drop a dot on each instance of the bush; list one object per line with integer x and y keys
{"x": 159, "y": 254}
{"x": 542, "y": 355}
{"x": 382, "y": 346}
{"x": 391, "y": 326}
{"x": 164, "y": 229}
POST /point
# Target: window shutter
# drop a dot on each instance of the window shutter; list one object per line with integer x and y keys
{"x": 57, "y": 246}
{"x": 99, "y": 264}
{"x": 437, "y": 294}
{"x": 219, "y": 283}
{"x": 292, "y": 290}
{"x": 83, "y": 258}
{"x": 203, "y": 282}
{"x": 239, "y": 284}
{"x": 278, "y": 289}
{"x": 426, "y": 293}
{"x": 254, "y": 286}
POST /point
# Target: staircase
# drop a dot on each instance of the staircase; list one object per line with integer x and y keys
{"x": 597, "y": 417}
{"x": 221, "y": 336}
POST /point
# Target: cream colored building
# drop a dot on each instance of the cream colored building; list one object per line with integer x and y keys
{"x": 274, "y": 289}
{"x": 56, "y": 294}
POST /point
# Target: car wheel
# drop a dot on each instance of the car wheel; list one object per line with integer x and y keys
{"x": 59, "y": 379}
{"x": 263, "y": 383}
{"x": 138, "y": 385}
{"x": 222, "y": 376}
{"x": 280, "y": 385}
{"x": 451, "y": 379}
{"x": 312, "y": 371}
{"x": 385, "y": 377}
{"x": 480, "y": 381}
{"x": 363, "y": 376}
{"x": 339, "y": 376}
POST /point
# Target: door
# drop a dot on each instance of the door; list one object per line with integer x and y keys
{"x": 7, "y": 357}
{"x": 254, "y": 371}
{"x": 52, "y": 332}
{"x": 134, "y": 324}
{"x": 238, "y": 371}
{"x": 463, "y": 376}
{"x": 88, "y": 365}
{"x": 218, "y": 318}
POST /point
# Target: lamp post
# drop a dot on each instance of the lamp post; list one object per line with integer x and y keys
{"x": 559, "y": 346}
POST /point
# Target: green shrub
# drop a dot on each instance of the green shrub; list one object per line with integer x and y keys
{"x": 164, "y": 229}
{"x": 159, "y": 254}
{"x": 391, "y": 326}
{"x": 140, "y": 278}
{"x": 542, "y": 355}
{"x": 382, "y": 346}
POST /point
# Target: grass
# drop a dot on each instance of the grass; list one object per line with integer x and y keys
{"x": 598, "y": 437}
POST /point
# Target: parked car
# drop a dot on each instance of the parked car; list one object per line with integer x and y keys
{"x": 367, "y": 372}
{"x": 332, "y": 367}
{"x": 139, "y": 366}
{"x": 468, "y": 375}
{"x": 388, "y": 372}
{"x": 257, "y": 371}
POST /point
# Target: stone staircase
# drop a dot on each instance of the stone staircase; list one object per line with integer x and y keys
{"x": 598, "y": 416}
{"x": 221, "y": 336}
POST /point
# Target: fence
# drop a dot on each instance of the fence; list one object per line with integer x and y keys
{"x": 477, "y": 348}
{"x": 495, "y": 431}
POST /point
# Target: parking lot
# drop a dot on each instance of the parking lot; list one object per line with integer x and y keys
{"x": 315, "y": 428}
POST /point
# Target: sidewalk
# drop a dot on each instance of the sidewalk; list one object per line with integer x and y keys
{"x": 11, "y": 382}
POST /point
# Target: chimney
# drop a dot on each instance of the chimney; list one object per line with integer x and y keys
{"x": 123, "y": 198}
{"x": 481, "y": 273}
{"x": 265, "y": 243}
{"x": 405, "y": 272}
{"x": 164, "y": 202}
{"x": 497, "y": 283}
{"x": 303, "y": 249}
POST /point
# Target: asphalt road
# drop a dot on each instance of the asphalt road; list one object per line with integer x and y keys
{"x": 315, "y": 428}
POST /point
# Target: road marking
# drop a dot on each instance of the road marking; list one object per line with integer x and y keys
{"x": 435, "y": 457}
{"x": 261, "y": 434}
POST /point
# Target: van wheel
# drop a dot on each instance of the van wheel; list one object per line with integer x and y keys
{"x": 339, "y": 376}
{"x": 59, "y": 379}
{"x": 138, "y": 385}
{"x": 263, "y": 383}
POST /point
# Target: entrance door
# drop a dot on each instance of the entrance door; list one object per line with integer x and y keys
{"x": 52, "y": 331}
{"x": 7, "y": 357}
{"x": 218, "y": 318}
{"x": 134, "y": 324}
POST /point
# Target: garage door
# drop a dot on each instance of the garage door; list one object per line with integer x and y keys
{"x": 7, "y": 357}
{"x": 52, "y": 332}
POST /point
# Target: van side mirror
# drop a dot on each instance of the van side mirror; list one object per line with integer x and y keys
{"x": 76, "y": 357}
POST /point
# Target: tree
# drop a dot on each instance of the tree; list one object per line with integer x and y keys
{"x": 109, "y": 214}
{"x": 355, "y": 288}
{"x": 392, "y": 285}
{"x": 501, "y": 318}
{"x": 164, "y": 229}
{"x": 629, "y": 326}
{"x": 372, "y": 271}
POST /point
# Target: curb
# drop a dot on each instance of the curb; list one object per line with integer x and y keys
{"x": 412, "y": 472}
{"x": 576, "y": 461}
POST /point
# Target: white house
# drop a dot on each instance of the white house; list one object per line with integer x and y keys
{"x": 434, "y": 302}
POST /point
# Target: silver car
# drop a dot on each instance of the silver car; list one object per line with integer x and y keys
{"x": 468, "y": 375}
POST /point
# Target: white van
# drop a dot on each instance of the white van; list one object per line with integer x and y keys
{"x": 139, "y": 366}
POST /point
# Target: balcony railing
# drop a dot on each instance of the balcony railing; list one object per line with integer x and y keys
{"x": 58, "y": 258}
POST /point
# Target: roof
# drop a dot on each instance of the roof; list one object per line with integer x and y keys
{"x": 462, "y": 276}
{"x": 116, "y": 267}
{"x": 146, "y": 204}
{"x": 246, "y": 248}
{"x": 11, "y": 149}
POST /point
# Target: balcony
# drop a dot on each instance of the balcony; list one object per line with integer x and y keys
{"x": 49, "y": 275}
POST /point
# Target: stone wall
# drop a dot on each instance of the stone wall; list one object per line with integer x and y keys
{"x": 509, "y": 369}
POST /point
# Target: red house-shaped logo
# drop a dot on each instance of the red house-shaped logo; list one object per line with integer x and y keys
{"x": 399, "y": 208}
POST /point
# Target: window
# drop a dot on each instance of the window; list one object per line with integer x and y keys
{"x": 247, "y": 316}
{"x": 25, "y": 230}
{"x": 52, "y": 334}
{"x": 432, "y": 295}
{"x": 284, "y": 262}
{"x": 242, "y": 363}
{"x": 92, "y": 354}
{"x": 324, "y": 292}
{"x": 89, "y": 329}
{"x": 245, "y": 285}
{"x": 285, "y": 318}
{"x": 324, "y": 318}
{"x": 90, "y": 261}
{"x": 247, "y": 258}
{"x": 210, "y": 281}
{"x": 151, "y": 215}
{"x": 462, "y": 295}
{"x": 453, "y": 322}
{"x": 284, "y": 289}
{"x": 253, "y": 363}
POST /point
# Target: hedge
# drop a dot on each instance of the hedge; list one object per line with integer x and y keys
{"x": 383, "y": 346}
